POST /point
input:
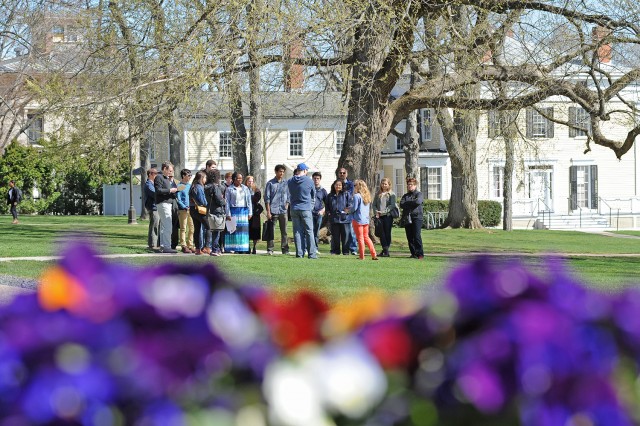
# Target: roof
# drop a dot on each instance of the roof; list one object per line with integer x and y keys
{"x": 274, "y": 105}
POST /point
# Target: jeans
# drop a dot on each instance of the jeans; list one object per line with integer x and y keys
{"x": 14, "y": 211}
{"x": 282, "y": 224}
{"x": 200, "y": 223}
{"x": 303, "y": 233}
{"x": 351, "y": 239}
{"x": 154, "y": 223}
{"x": 317, "y": 222}
{"x": 166, "y": 224}
{"x": 215, "y": 240}
{"x": 414, "y": 237}
{"x": 362, "y": 236}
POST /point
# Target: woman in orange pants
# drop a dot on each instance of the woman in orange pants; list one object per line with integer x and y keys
{"x": 360, "y": 222}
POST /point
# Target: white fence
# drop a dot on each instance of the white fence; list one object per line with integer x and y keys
{"x": 115, "y": 199}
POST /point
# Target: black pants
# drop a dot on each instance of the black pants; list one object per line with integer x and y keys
{"x": 387, "y": 223}
{"x": 339, "y": 238}
{"x": 14, "y": 211}
{"x": 414, "y": 237}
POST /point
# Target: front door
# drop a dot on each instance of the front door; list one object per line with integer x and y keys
{"x": 540, "y": 190}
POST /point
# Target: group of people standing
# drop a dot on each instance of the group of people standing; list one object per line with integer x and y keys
{"x": 215, "y": 216}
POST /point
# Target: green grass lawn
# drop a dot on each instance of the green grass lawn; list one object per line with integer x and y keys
{"x": 628, "y": 232}
{"x": 335, "y": 276}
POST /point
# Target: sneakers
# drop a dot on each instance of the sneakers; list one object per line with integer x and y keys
{"x": 168, "y": 250}
{"x": 269, "y": 252}
{"x": 214, "y": 253}
{"x": 15, "y": 221}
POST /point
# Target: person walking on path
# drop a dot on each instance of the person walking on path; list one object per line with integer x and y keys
{"x": 360, "y": 222}
{"x": 240, "y": 210}
{"x": 412, "y": 215}
{"x": 254, "y": 223}
{"x": 152, "y": 209}
{"x": 165, "y": 195}
{"x": 302, "y": 194}
{"x": 13, "y": 198}
{"x": 384, "y": 201}
{"x": 319, "y": 206}
{"x": 184, "y": 217}
{"x": 276, "y": 202}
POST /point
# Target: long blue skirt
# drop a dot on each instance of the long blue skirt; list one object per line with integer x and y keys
{"x": 238, "y": 241}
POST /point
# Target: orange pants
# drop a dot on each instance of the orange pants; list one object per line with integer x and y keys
{"x": 362, "y": 237}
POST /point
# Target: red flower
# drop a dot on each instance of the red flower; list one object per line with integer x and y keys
{"x": 295, "y": 321}
{"x": 389, "y": 342}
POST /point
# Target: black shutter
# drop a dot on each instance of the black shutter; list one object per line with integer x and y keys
{"x": 572, "y": 122}
{"x": 573, "y": 187}
{"x": 549, "y": 113}
{"x": 594, "y": 186}
{"x": 424, "y": 180}
{"x": 419, "y": 125}
{"x": 529, "y": 122}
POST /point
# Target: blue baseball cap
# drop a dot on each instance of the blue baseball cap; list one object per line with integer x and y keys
{"x": 302, "y": 166}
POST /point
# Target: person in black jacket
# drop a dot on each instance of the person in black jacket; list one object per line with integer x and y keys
{"x": 13, "y": 198}
{"x": 152, "y": 210}
{"x": 411, "y": 205}
{"x": 165, "y": 195}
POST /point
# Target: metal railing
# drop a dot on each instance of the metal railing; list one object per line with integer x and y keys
{"x": 603, "y": 201}
{"x": 545, "y": 211}
{"x": 434, "y": 219}
{"x": 622, "y": 205}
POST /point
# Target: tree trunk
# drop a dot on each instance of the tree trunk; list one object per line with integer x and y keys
{"x": 175, "y": 149}
{"x": 238, "y": 130}
{"x": 509, "y": 133}
{"x": 145, "y": 163}
{"x": 411, "y": 146}
{"x": 255, "y": 114}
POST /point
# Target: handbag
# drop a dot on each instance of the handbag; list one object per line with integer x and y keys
{"x": 267, "y": 231}
{"x": 378, "y": 229}
{"x": 395, "y": 211}
{"x": 216, "y": 223}
{"x": 201, "y": 209}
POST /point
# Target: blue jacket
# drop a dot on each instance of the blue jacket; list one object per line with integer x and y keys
{"x": 150, "y": 196}
{"x": 231, "y": 197}
{"x": 302, "y": 193}
{"x": 197, "y": 192}
{"x": 183, "y": 197}
{"x": 360, "y": 210}
{"x": 337, "y": 204}
{"x": 320, "y": 201}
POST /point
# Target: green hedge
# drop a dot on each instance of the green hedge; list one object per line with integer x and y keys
{"x": 489, "y": 212}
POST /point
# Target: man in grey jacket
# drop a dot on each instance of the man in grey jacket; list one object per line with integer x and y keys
{"x": 302, "y": 194}
{"x": 276, "y": 200}
{"x": 165, "y": 194}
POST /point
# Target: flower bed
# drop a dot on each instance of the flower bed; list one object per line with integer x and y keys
{"x": 107, "y": 344}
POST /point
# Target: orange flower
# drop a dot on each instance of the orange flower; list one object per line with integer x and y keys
{"x": 59, "y": 290}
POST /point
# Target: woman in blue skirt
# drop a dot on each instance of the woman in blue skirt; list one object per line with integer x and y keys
{"x": 239, "y": 208}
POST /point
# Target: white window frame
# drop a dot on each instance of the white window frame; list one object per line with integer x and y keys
{"x": 398, "y": 180}
{"x": 398, "y": 143}
{"x": 339, "y": 136}
{"x": 539, "y": 126}
{"x": 290, "y": 147}
{"x": 433, "y": 183}
{"x": 497, "y": 181}
{"x": 228, "y": 145}
{"x": 582, "y": 118}
{"x": 35, "y": 131}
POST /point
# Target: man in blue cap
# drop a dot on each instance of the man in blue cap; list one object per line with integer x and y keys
{"x": 302, "y": 193}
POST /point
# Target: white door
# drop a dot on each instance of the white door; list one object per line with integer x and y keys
{"x": 540, "y": 181}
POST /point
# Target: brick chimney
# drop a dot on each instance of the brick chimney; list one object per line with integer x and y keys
{"x": 294, "y": 73}
{"x": 603, "y": 48}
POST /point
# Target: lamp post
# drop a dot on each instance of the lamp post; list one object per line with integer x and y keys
{"x": 132, "y": 210}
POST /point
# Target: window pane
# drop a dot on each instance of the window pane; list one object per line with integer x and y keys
{"x": 399, "y": 181}
{"x": 539, "y": 125}
{"x": 426, "y": 124}
{"x": 295, "y": 144}
{"x": 434, "y": 183}
{"x": 498, "y": 181}
{"x": 582, "y": 120}
{"x": 225, "y": 145}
